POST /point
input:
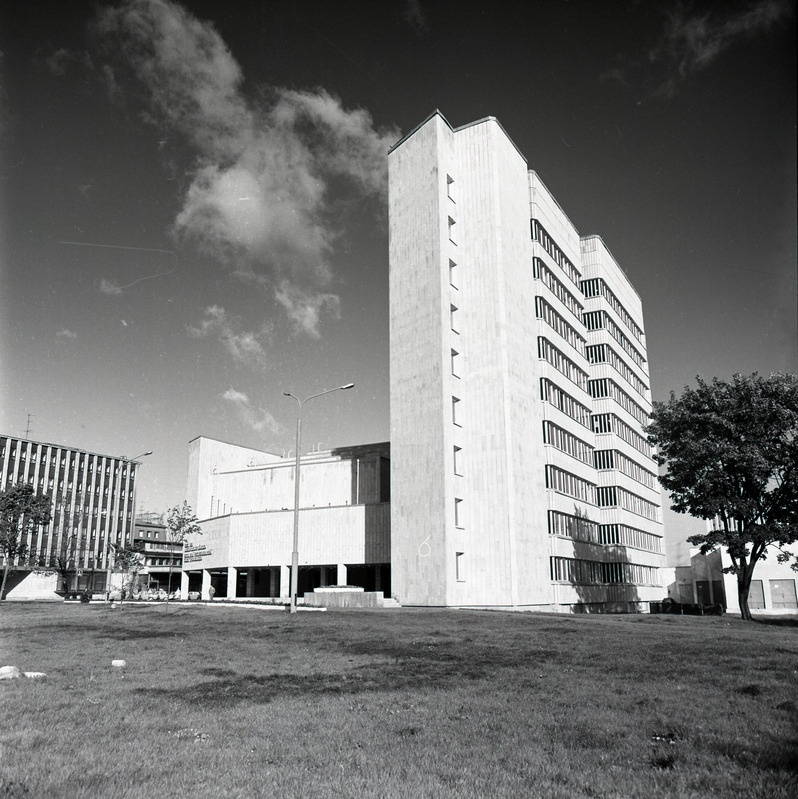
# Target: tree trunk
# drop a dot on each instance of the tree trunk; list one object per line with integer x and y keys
{"x": 6, "y": 569}
{"x": 743, "y": 589}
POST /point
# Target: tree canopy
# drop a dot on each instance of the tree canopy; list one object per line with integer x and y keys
{"x": 731, "y": 451}
{"x": 22, "y": 511}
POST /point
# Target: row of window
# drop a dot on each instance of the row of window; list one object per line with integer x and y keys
{"x": 552, "y": 393}
{"x": 561, "y": 363}
{"x": 542, "y": 272}
{"x": 603, "y": 353}
{"x": 610, "y": 423}
{"x": 591, "y": 572}
{"x": 613, "y": 459}
{"x": 580, "y": 528}
{"x": 601, "y": 320}
{"x": 615, "y": 496}
{"x": 540, "y": 235}
{"x": 624, "y": 535}
{"x": 567, "y": 442}
{"x": 567, "y": 483}
{"x": 545, "y": 311}
{"x": 597, "y": 287}
{"x": 606, "y": 388}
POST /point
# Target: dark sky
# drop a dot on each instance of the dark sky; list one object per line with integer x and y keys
{"x": 193, "y": 206}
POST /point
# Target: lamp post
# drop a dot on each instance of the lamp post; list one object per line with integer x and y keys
{"x": 108, "y": 568}
{"x": 295, "y": 552}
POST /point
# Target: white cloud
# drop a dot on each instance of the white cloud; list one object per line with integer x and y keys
{"x": 66, "y": 335}
{"x": 270, "y": 174}
{"x": 246, "y": 346}
{"x": 258, "y": 419}
{"x": 109, "y": 287}
{"x": 691, "y": 42}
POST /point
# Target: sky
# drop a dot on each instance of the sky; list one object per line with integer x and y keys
{"x": 193, "y": 198}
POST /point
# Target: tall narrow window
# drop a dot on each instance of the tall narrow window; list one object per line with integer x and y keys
{"x": 458, "y": 513}
{"x": 451, "y": 229}
{"x": 458, "y": 566}
{"x": 454, "y": 316}
{"x": 455, "y": 363}
{"x": 458, "y": 460}
{"x": 454, "y": 276}
{"x": 449, "y": 182}
{"x": 455, "y": 413}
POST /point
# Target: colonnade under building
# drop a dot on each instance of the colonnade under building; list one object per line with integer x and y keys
{"x": 274, "y": 582}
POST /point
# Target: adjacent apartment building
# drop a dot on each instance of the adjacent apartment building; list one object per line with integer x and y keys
{"x": 93, "y": 497}
{"x": 521, "y": 476}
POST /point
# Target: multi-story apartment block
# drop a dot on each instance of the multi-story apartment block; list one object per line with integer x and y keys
{"x": 93, "y": 497}
{"x": 162, "y": 558}
{"x": 521, "y": 475}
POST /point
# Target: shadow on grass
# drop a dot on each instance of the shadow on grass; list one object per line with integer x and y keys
{"x": 778, "y": 621}
{"x": 430, "y": 664}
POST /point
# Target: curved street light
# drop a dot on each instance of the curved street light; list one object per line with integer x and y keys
{"x": 295, "y": 551}
{"x": 108, "y": 565}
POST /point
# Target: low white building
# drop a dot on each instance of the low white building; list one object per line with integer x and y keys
{"x": 244, "y": 499}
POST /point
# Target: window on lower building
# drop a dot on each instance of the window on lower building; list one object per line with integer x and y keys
{"x": 458, "y": 566}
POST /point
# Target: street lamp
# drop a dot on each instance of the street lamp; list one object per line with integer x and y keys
{"x": 108, "y": 568}
{"x": 295, "y": 552}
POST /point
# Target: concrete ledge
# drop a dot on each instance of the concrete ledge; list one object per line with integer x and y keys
{"x": 335, "y": 597}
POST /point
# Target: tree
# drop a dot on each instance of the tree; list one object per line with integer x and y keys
{"x": 181, "y": 524}
{"x": 731, "y": 451}
{"x": 22, "y": 512}
{"x": 128, "y": 560}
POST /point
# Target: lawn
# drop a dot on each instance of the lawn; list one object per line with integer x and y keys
{"x": 234, "y": 702}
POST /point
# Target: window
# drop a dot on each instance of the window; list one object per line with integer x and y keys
{"x": 454, "y": 274}
{"x": 782, "y": 594}
{"x": 458, "y": 460}
{"x": 458, "y": 566}
{"x": 455, "y": 363}
{"x": 453, "y": 315}
{"x": 451, "y": 229}
{"x": 567, "y": 442}
{"x": 566, "y": 483}
{"x": 458, "y": 513}
{"x": 449, "y": 182}
{"x": 455, "y": 418}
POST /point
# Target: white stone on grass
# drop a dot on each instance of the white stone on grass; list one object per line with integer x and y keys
{"x": 119, "y": 664}
{"x": 9, "y": 672}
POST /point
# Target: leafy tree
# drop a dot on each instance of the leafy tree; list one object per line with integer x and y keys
{"x": 127, "y": 560}
{"x": 731, "y": 451}
{"x": 21, "y": 512}
{"x": 181, "y": 524}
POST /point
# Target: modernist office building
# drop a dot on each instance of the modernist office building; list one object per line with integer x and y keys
{"x": 521, "y": 476}
{"x": 244, "y": 499}
{"x": 93, "y": 497}
{"x": 519, "y": 472}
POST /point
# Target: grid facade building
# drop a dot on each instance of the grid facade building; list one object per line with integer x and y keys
{"x": 521, "y": 475}
{"x": 93, "y": 497}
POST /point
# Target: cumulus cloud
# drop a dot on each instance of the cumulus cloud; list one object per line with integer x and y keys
{"x": 258, "y": 419}
{"x": 270, "y": 173}
{"x": 246, "y": 346}
{"x": 691, "y": 42}
{"x": 66, "y": 335}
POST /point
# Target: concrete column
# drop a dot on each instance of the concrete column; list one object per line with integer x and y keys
{"x": 341, "y": 579}
{"x": 232, "y": 581}
{"x": 323, "y": 581}
{"x": 206, "y": 583}
{"x": 184, "y": 585}
{"x": 285, "y": 581}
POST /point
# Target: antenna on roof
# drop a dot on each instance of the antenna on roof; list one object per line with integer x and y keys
{"x": 27, "y": 428}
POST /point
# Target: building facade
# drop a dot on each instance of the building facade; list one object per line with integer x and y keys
{"x": 93, "y": 497}
{"x": 162, "y": 558}
{"x": 244, "y": 499}
{"x": 521, "y": 476}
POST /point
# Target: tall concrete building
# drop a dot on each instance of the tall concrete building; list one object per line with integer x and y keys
{"x": 93, "y": 497}
{"x": 519, "y": 390}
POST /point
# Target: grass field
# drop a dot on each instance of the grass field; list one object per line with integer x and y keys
{"x": 234, "y": 702}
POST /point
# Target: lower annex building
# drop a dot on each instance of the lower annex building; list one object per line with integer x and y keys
{"x": 520, "y": 475}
